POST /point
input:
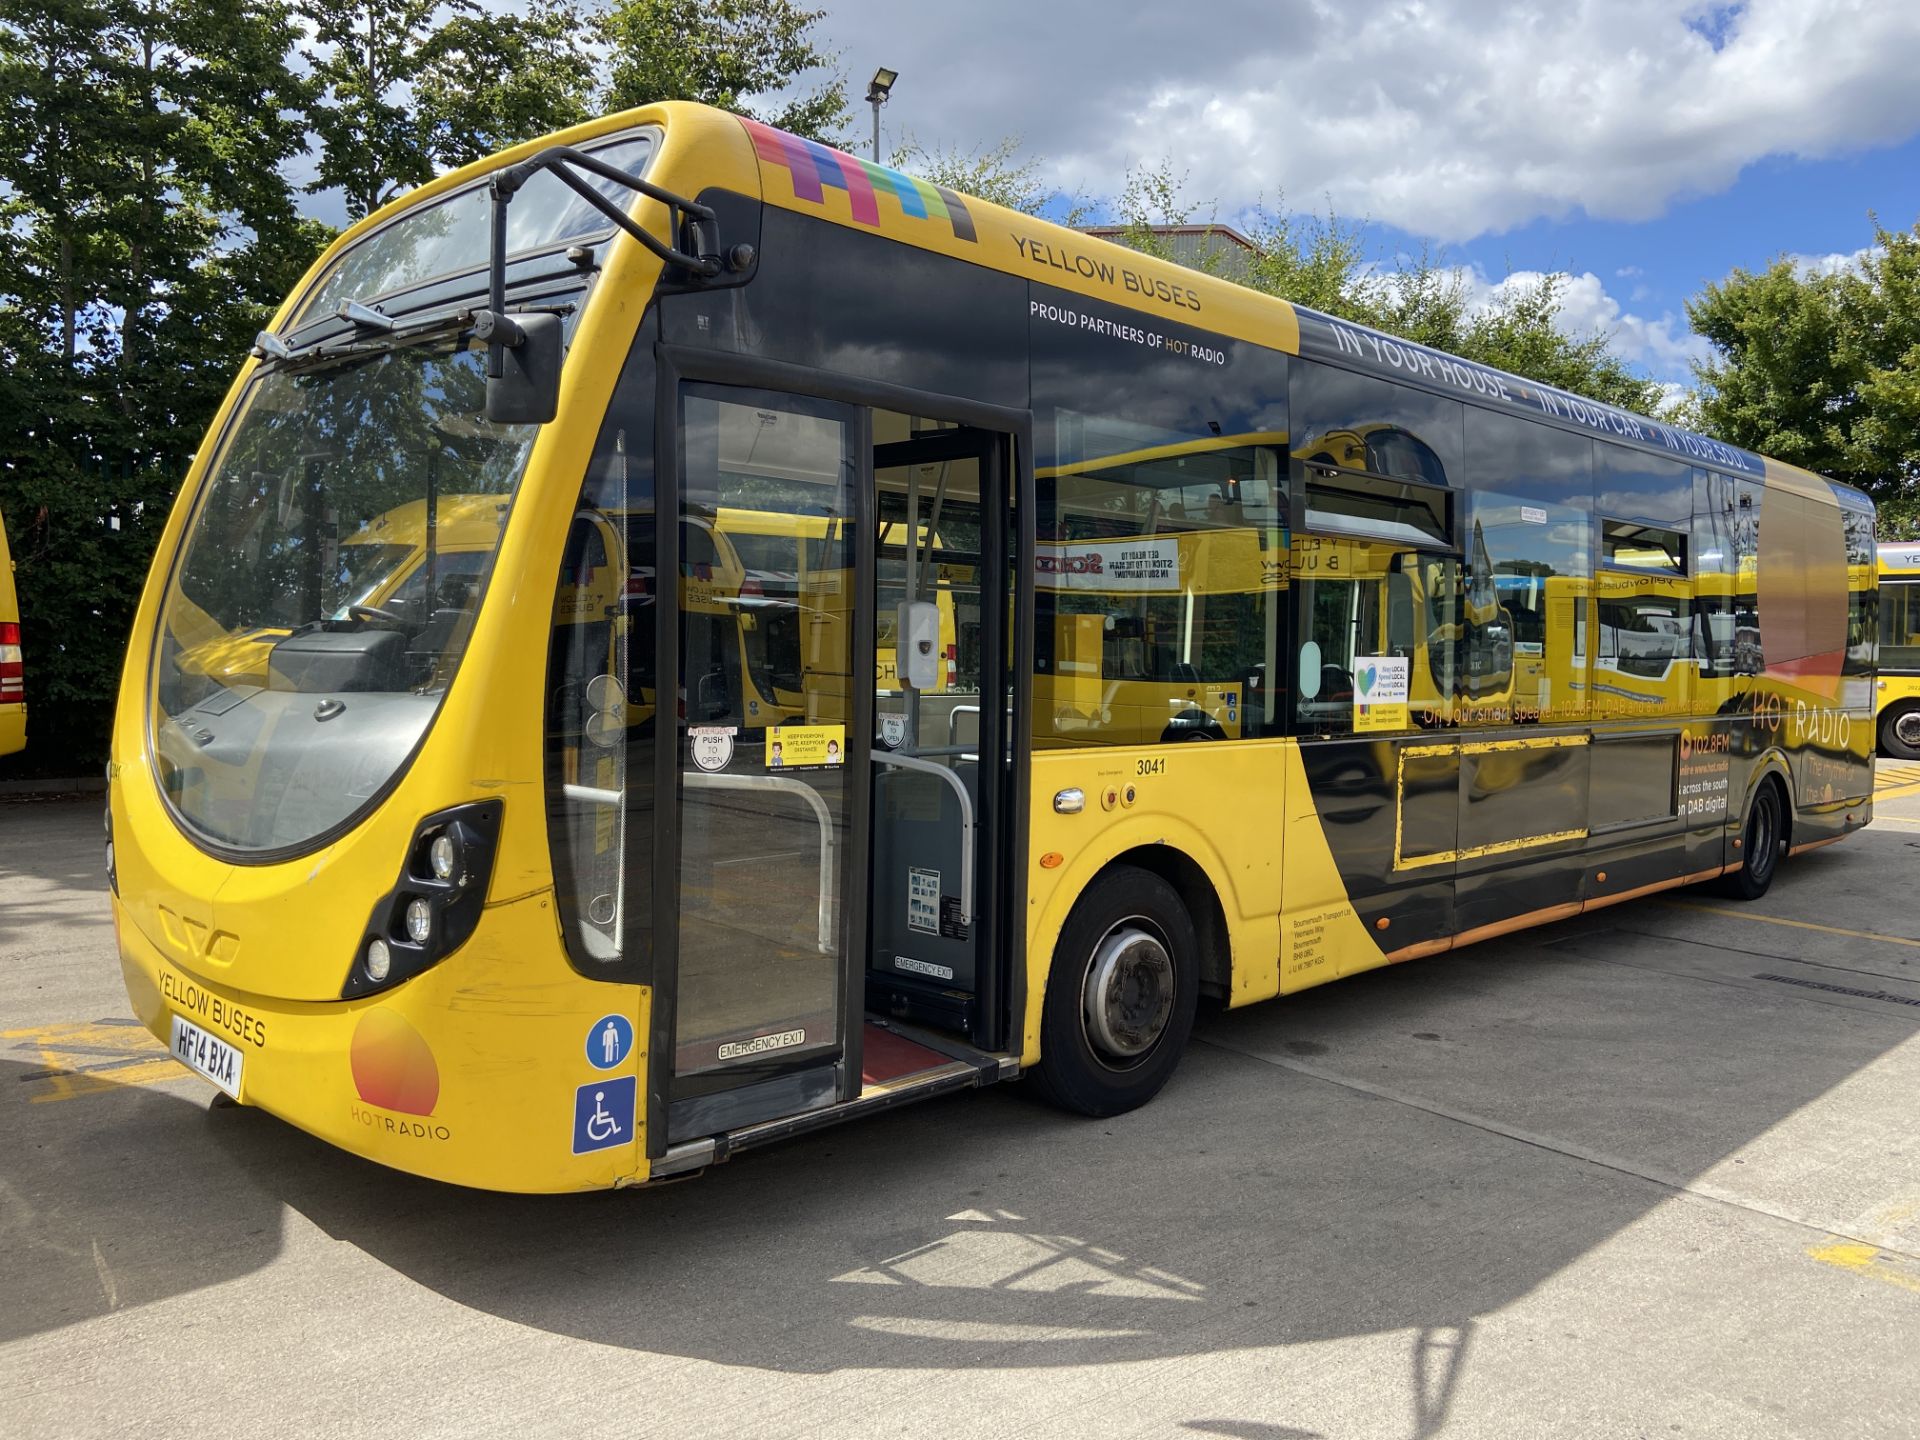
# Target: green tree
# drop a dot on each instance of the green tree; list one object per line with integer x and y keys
{"x": 998, "y": 174}
{"x": 147, "y": 232}
{"x": 365, "y": 56}
{"x": 1325, "y": 264}
{"x": 491, "y": 81}
{"x": 408, "y": 88}
{"x": 1822, "y": 369}
{"x": 727, "y": 53}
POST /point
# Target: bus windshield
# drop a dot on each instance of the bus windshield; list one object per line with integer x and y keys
{"x": 326, "y": 591}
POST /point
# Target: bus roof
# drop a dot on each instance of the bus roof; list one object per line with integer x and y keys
{"x": 808, "y": 178}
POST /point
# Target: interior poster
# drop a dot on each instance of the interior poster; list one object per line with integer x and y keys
{"x": 1380, "y": 693}
{"x": 805, "y": 747}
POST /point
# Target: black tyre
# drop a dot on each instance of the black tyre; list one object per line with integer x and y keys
{"x": 1763, "y": 844}
{"x": 1120, "y": 995}
{"x": 1900, "y": 732}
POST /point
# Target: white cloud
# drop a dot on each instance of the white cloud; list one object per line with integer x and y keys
{"x": 1447, "y": 118}
{"x": 1832, "y": 264}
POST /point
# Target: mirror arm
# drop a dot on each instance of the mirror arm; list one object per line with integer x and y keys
{"x": 700, "y": 223}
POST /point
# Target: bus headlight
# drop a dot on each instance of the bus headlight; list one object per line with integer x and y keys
{"x": 436, "y": 902}
{"x": 419, "y": 921}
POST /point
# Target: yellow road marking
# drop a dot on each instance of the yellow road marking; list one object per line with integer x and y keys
{"x": 1894, "y": 822}
{"x": 1795, "y": 924}
{"x": 1896, "y": 791}
{"x": 90, "y": 1059}
{"x": 1867, "y": 1260}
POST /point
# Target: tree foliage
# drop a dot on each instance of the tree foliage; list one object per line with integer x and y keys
{"x": 726, "y": 53}
{"x": 146, "y": 231}
{"x": 148, "y": 228}
{"x": 1324, "y": 263}
{"x": 1822, "y": 369}
{"x": 999, "y": 174}
{"x": 408, "y": 88}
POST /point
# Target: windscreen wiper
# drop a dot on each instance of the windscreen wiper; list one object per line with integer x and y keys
{"x": 340, "y": 352}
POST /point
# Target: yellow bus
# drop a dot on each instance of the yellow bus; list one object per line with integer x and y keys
{"x": 1897, "y": 693}
{"x": 1018, "y": 514}
{"x": 13, "y": 677}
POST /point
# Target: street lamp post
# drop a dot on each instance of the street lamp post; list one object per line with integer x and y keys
{"x": 877, "y": 92}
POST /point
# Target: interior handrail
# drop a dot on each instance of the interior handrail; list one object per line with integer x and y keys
{"x": 967, "y": 823}
{"x": 785, "y": 785}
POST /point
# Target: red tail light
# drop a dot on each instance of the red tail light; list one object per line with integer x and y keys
{"x": 751, "y": 586}
{"x": 13, "y": 674}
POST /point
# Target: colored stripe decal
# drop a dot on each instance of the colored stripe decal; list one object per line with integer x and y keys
{"x": 814, "y": 169}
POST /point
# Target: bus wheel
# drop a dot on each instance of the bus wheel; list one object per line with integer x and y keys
{"x": 1120, "y": 997}
{"x": 1762, "y": 844}
{"x": 1900, "y": 733}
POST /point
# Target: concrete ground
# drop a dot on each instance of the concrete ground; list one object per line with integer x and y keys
{"x": 1650, "y": 1173}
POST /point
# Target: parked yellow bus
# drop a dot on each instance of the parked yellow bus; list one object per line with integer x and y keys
{"x": 1897, "y": 693}
{"x": 13, "y": 677}
{"x": 1469, "y": 654}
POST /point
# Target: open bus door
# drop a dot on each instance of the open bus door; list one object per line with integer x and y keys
{"x": 807, "y": 854}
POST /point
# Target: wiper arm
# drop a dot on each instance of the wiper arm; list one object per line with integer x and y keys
{"x": 344, "y": 351}
{"x": 341, "y": 352}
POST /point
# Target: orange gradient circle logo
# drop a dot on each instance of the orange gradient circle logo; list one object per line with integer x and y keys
{"x": 392, "y": 1066}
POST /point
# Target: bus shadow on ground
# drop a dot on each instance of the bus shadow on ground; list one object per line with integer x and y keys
{"x": 116, "y": 1198}
{"x": 1251, "y": 1205}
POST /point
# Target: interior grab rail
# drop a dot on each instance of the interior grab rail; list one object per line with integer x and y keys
{"x": 785, "y": 785}
{"x": 967, "y": 823}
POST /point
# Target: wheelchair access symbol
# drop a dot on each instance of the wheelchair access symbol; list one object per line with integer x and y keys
{"x": 603, "y": 1114}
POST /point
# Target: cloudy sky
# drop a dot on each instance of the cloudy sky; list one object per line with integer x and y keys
{"x": 1642, "y": 146}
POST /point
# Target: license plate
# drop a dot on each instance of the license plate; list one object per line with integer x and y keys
{"x": 206, "y": 1055}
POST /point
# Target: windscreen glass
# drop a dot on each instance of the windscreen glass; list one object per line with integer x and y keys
{"x": 453, "y": 235}
{"x": 327, "y": 590}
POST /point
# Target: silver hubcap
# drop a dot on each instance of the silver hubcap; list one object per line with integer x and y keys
{"x": 1907, "y": 728}
{"x": 1129, "y": 993}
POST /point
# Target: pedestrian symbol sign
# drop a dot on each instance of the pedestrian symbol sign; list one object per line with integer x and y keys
{"x": 609, "y": 1041}
{"x": 603, "y": 1114}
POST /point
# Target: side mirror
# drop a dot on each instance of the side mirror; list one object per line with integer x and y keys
{"x": 528, "y": 392}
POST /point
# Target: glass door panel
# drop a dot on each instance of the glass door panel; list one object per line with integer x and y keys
{"x": 766, "y": 791}
{"x": 939, "y": 734}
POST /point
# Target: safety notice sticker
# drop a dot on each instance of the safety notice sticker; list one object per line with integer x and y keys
{"x": 923, "y": 900}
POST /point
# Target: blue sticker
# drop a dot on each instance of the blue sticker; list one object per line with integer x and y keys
{"x": 603, "y": 1114}
{"x": 609, "y": 1041}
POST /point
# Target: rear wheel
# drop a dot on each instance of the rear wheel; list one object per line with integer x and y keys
{"x": 1763, "y": 843}
{"x": 1900, "y": 732}
{"x": 1120, "y": 995}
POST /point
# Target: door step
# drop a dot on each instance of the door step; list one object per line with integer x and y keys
{"x": 900, "y": 1064}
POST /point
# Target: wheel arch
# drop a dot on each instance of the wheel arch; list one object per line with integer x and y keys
{"x": 1771, "y": 766}
{"x": 1201, "y": 887}
{"x": 1197, "y": 893}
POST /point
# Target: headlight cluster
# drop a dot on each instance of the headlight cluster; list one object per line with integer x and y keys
{"x": 436, "y": 904}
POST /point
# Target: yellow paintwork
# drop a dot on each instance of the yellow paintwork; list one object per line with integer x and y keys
{"x": 506, "y": 1018}
{"x": 13, "y": 717}
{"x": 1900, "y": 683}
{"x": 1290, "y": 926}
